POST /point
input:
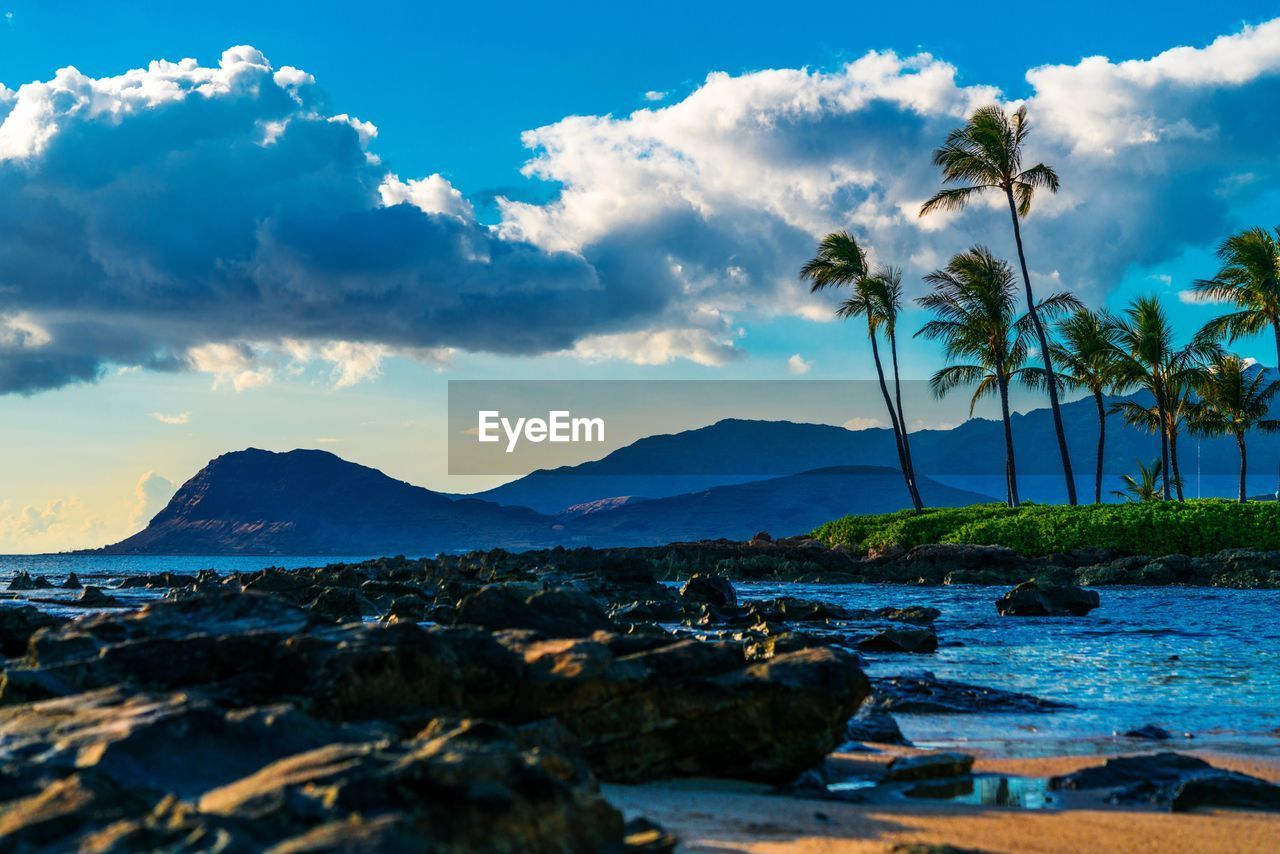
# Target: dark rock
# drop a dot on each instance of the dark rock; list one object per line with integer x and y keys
{"x": 1042, "y": 599}
{"x": 18, "y": 623}
{"x": 1161, "y": 769}
{"x": 910, "y": 614}
{"x": 1173, "y": 780}
{"x": 791, "y": 609}
{"x": 760, "y": 538}
{"x": 902, "y": 639}
{"x": 1150, "y": 732}
{"x": 336, "y": 605}
{"x": 556, "y": 613}
{"x": 876, "y": 726}
{"x": 409, "y": 608}
{"x": 93, "y": 597}
{"x": 1225, "y": 789}
{"x": 928, "y": 766}
{"x": 713, "y": 590}
{"x": 23, "y": 580}
{"x": 72, "y": 582}
{"x": 926, "y": 694}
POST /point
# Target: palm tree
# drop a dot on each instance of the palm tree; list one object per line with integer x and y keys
{"x": 1148, "y": 360}
{"x": 1249, "y": 278}
{"x": 841, "y": 262}
{"x": 1086, "y": 358}
{"x": 985, "y": 342}
{"x": 986, "y": 154}
{"x": 1233, "y": 400}
{"x": 1144, "y": 487}
{"x": 886, "y": 291}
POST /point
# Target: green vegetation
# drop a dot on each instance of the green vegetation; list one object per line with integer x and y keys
{"x": 1196, "y": 527}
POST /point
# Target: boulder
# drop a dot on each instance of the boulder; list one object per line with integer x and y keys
{"x": 23, "y": 580}
{"x": 1151, "y": 732}
{"x": 18, "y": 623}
{"x": 556, "y": 613}
{"x": 876, "y": 726}
{"x": 336, "y": 605}
{"x": 1173, "y": 780}
{"x": 902, "y": 639}
{"x": 1160, "y": 769}
{"x": 93, "y": 597}
{"x": 72, "y": 582}
{"x": 924, "y": 693}
{"x": 1042, "y": 599}
{"x": 1225, "y": 789}
{"x": 910, "y": 614}
{"x": 928, "y": 766}
{"x": 713, "y": 590}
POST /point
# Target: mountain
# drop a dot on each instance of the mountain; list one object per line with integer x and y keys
{"x": 970, "y": 456}
{"x": 312, "y": 502}
{"x": 782, "y": 506}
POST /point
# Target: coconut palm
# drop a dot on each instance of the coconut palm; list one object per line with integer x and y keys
{"x": 1086, "y": 360}
{"x": 1234, "y": 399}
{"x": 886, "y": 292}
{"x": 842, "y": 263}
{"x": 974, "y": 298}
{"x": 1148, "y": 360}
{"x": 1249, "y": 279}
{"x": 1145, "y": 487}
{"x": 986, "y": 154}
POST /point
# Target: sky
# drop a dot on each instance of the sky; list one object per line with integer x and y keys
{"x": 289, "y": 225}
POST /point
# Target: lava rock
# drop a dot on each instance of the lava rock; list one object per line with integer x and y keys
{"x": 917, "y": 639}
{"x": 1042, "y": 599}
{"x": 72, "y": 582}
{"x": 924, "y": 693}
{"x": 93, "y": 597}
{"x": 1161, "y": 769}
{"x": 556, "y": 613}
{"x": 18, "y": 623}
{"x": 713, "y": 590}
{"x": 928, "y": 766}
{"x": 875, "y": 726}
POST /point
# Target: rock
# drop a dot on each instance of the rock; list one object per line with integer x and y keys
{"x": 18, "y": 623}
{"x": 761, "y": 538}
{"x": 1041, "y": 599}
{"x": 902, "y": 639}
{"x": 1160, "y": 769}
{"x": 926, "y": 694}
{"x": 928, "y": 766}
{"x": 409, "y": 608}
{"x": 876, "y": 726}
{"x": 713, "y": 590}
{"x": 337, "y": 605}
{"x": 1150, "y": 732}
{"x": 791, "y": 609}
{"x": 72, "y": 582}
{"x": 910, "y": 614}
{"x": 93, "y": 597}
{"x": 23, "y": 580}
{"x": 934, "y": 563}
{"x": 555, "y": 613}
{"x": 53, "y": 818}
{"x": 1225, "y": 789}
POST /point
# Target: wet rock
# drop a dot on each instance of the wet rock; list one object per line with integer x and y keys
{"x": 72, "y": 582}
{"x": 408, "y": 608}
{"x": 336, "y": 605}
{"x": 1225, "y": 789}
{"x": 93, "y": 597}
{"x": 1159, "y": 769}
{"x": 934, "y": 563}
{"x": 923, "y": 693}
{"x": 1042, "y": 599}
{"x": 791, "y": 609}
{"x": 910, "y": 614}
{"x": 876, "y": 726}
{"x": 23, "y": 580}
{"x": 1175, "y": 781}
{"x": 647, "y": 611}
{"x": 556, "y": 612}
{"x": 1150, "y": 732}
{"x": 713, "y": 590}
{"x": 928, "y": 766}
{"x": 18, "y": 623}
{"x": 902, "y": 639}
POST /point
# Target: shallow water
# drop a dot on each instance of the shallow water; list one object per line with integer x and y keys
{"x": 1203, "y": 661}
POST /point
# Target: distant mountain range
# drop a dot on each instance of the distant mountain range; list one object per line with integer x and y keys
{"x": 729, "y": 479}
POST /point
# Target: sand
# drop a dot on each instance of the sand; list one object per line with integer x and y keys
{"x": 726, "y": 816}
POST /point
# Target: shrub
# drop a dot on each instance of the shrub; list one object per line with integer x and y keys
{"x": 1155, "y": 527}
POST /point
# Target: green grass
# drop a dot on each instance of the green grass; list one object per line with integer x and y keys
{"x": 1152, "y": 528}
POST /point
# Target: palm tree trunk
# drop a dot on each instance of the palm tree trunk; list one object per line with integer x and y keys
{"x": 1164, "y": 441}
{"x": 902, "y": 425}
{"x": 1243, "y": 466}
{"x": 1275, "y": 325}
{"x": 1102, "y": 443}
{"x": 1044, "y": 352}
{"x": 893, "y": 415}
{"x": 1173, "y": 457}
{"x": 1011, "y": 471}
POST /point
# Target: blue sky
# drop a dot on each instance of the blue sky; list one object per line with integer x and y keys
{"x": 188, "y": 270}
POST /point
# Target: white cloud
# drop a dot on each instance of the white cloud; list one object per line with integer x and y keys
{"x": 238, "y": 366}
{"x": 58, "y": 524}
{"x": 151, "y": 493}
{"x": 433, "y": 194}
{"x": 1190, "y": 297}
{"x": 797, "y": 365}
{"x": 655, "y": 95}
{"x": 864, "y": 424}
{"x": 175, "y": 419}
{"x": 659, "y": 347}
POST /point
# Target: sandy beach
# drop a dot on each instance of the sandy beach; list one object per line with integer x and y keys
{"x": 729, "y": 816}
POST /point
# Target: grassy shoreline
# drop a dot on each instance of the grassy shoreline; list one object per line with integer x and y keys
{"x": 1194, "y": 528}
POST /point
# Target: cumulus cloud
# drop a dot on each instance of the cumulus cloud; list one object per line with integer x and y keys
{"x": 151, "y": 493}
{"x": 57, "y": 524}
{"x": 173, "y": 420}
{"x": 864, "y": 424}
{"x": 181, "y": 217}
{"x": 797, "y": 365}
{"x": 655, "y": 95}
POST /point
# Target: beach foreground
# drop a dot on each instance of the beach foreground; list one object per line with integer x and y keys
{"x": 723, "y": 816}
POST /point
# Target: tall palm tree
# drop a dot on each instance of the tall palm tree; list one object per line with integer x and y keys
{"x": 886, "y": 291}
{"x": 1086, "y": 359}
{"x": 986, "y": 154}
{"x": 1148, "y": 360}
{"x": 974, "y": 298}
{"x": 842, "y": 263}
{"x": 1250, "y": 279}
{"x": 1233, "y": 401}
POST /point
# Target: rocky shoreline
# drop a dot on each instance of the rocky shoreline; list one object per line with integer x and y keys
{"x": 463, "y": 703}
